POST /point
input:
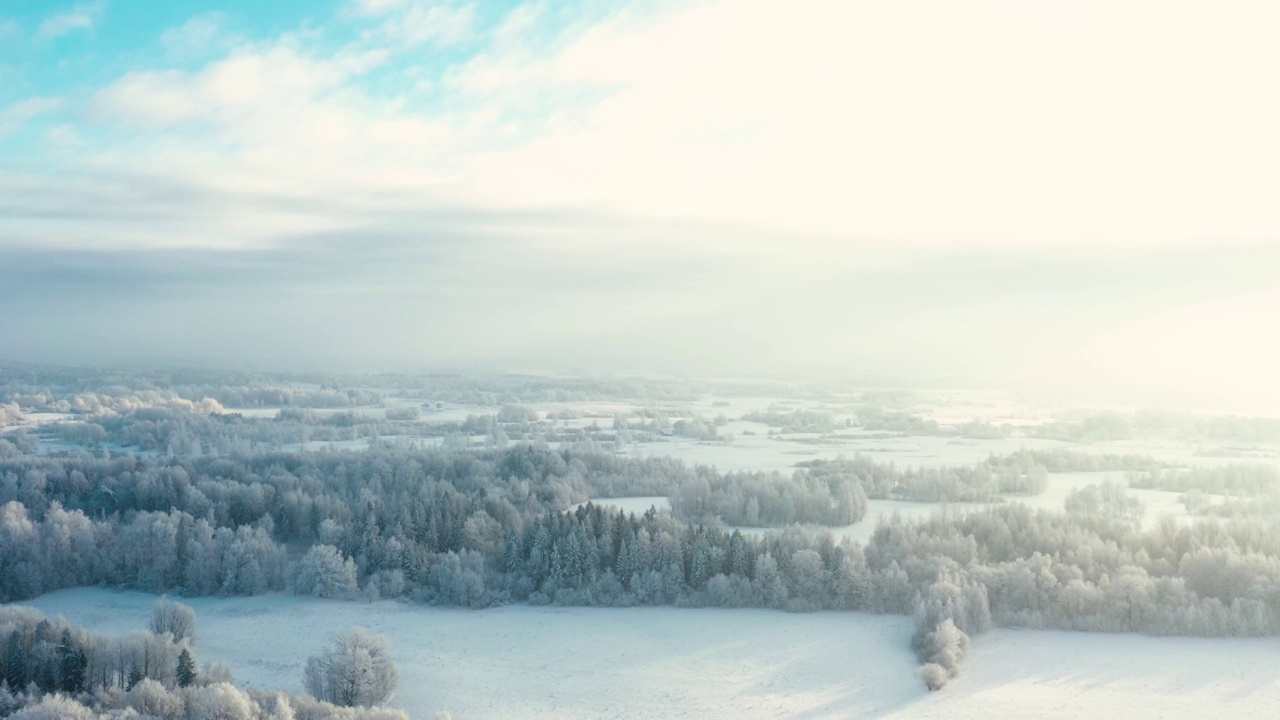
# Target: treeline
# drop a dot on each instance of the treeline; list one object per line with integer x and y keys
{"x": 143, "y": 550}
{"x": 770, "y": 499}
{"x": 177, "y": 432}
{"x": 1073, "y": 572}
{"x": 983, "y": 482}
{"x": 52, "y": 670}
{"x": 181, "y": 431}
{"x": 1236, "y": 479}
{"x": 1143, "y": 423}
{"x": 80, "y": 519}
{"x": 808, "y": 421}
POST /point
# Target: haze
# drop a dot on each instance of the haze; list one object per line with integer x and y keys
{"x": 1051, "y": 194}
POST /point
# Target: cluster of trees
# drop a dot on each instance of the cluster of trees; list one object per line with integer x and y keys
{"x": 770, "y": 499}
{"x": 52, "y": 670}
{"x": 699, "y": 428}
{"x": 1236, "y": 479}
{"x": 876, "y": 418}
{"x": 1150, "y": 423}
{"x": 10, "y": 415}
{"x": 41, "y": 655}
{"x": 596, "y": 557}
{"x": 808, "y": 421}
{"x": 143, "y": 550}
{"x": 1105, "y": 499}
{"x": 1017, "y": 474}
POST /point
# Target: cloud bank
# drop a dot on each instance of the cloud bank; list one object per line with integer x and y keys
{"x": 995, "y": 189}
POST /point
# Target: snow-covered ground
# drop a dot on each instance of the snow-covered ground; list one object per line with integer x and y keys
{"x": 529, "y": 662}
{"x": 632, "y": 505}
{"x": 1059, "y": 675}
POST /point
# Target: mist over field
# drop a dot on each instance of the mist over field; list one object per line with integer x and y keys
{"x": 655, "y": 358}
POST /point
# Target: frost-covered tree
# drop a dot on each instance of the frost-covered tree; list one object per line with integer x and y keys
{"x": 325, "y": 572}
{"x": 175, "y": 618}
{"x": 186, "y": 673}
{"x": 356, "y": 669}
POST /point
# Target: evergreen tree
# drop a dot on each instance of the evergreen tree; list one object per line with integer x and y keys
{"x": 74, "y": 664}
{"x": 186, "y": 673}
{"x": 16, "y": 667}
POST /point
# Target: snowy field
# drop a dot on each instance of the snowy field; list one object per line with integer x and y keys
{"x": 1058, "y": 675}
{"x": 526, "y": 662}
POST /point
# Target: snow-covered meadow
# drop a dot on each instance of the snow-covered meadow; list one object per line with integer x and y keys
{"x": 551, "y": 662}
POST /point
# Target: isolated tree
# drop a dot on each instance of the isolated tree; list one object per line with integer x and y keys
{"x": 355, "y": 669}
{"x": 168, "y": 616}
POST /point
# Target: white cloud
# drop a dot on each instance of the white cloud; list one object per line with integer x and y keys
{"x": 194, "y": 38}
{"x": 19, "y": 113}
{"x": 80, "y": 17}
{"x": 28, "y": 109}
{"x": 420, "y": 24}
{"x": 9, "y": 28}
{"x": 377, "y": 7}
{"x": 922, "y": 120}
{"x": 917, "y": 122}
{"x": 735, "y": 146}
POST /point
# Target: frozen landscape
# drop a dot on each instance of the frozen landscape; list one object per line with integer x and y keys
{"x": 668, "y": 662}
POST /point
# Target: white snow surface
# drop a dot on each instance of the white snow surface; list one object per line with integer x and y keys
{"x": 543, "y": 662}
{"x": 551, "y": 662}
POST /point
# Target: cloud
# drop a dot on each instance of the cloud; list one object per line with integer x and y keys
{"x": 9, "y": 28}
{"x": 23, "y": 111}
{"x": 911, "y": 123}
{"x": 861, "y": 185}
{"x": 80, "y": 17}
{"x": 440, "y": 24}
{"x": 376, "y": 7}
{"x": 196, "y": 37}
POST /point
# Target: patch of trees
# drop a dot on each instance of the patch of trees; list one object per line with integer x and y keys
{"x": 52, "y": 670}
{"x": 1106, "y": 499}
{"x": 770, "y": 499}
{"x": 1237, "y": 479}
{"x": 1181, "y": 425}
{"x": 1058, "y": 460}
{"x": 983, "y": 482}
{"x": 698, "y": 428}
{"x": 807, "y": 421}
{"x": 876, "y": 418}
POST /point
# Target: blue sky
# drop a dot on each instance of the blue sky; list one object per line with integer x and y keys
{"x": 1002, "y": 190}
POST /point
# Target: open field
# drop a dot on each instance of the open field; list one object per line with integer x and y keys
{"x": 549, "y": 662}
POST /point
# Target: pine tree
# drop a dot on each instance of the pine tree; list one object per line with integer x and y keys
{"x": 16, "y": 667}
{"x": 135, "y": 677}
{"x": 186, "y": 673}
{"x": 74, "y": 664}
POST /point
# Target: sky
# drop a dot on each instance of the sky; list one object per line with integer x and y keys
{"x": 1061, "y": 195}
